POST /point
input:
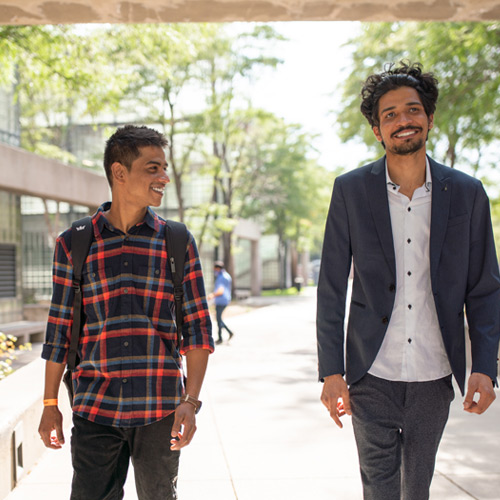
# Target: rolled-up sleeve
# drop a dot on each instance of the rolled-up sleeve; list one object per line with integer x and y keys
{"x": 197, "y": 326}
{"x": 60, "y": 317}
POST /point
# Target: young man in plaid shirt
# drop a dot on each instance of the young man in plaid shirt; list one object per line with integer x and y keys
{"x": 131, "y": 399}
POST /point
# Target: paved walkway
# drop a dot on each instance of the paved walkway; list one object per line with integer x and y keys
{"x": 264, "y": 435}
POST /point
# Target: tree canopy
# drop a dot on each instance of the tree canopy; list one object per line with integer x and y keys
{"x": 183, "y": 79}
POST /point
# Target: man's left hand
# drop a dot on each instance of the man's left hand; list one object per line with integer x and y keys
{"x": 184, "y": 426}
{"x": 480, "y": 383}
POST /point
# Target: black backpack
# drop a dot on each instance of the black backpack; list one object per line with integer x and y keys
{"x": 176, "y": 239}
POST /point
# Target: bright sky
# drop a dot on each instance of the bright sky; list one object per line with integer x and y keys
{"x": 305, "y": 88}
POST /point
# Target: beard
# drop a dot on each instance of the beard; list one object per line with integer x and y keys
{"x": 408, "y": 148}
{"x": 411, "y": 146}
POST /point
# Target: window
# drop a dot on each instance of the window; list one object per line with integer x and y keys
{"x": 7, "y": 271}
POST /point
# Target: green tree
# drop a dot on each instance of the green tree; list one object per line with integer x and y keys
{"x": 225, "y": 61}
{"x": 166, "y": 66}
{"x": 61, "y": 77}
{"x": 187, "y": 79}
{"x": 465, "y": 58}
{"x": 284, "y": 186}
{"x": 159, "y": 62}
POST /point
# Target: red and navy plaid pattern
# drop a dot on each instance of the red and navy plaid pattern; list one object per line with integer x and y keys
{"x": 130, "y": 372}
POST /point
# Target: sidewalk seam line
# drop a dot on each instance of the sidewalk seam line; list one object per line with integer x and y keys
{"x": 457, "y": 485}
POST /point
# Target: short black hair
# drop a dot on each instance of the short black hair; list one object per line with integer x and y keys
{"x": 393, "y": 77}
{"x": 123, "y": 146}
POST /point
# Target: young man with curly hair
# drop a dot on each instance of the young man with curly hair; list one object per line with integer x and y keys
{"x": 420, "y": 239}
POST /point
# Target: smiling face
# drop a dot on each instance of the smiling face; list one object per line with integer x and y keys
{"x": 143, "y": 185}
{"x": 403, "y": 123}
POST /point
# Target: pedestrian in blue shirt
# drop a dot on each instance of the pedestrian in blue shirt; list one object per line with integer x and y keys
{"x": 222, "y": 295}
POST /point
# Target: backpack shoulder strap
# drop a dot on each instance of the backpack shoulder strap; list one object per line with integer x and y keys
{"x": 176, "y": 238}
{"x": 81, "y": 239}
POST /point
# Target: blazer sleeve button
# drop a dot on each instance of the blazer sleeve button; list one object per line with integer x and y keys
{"x": 392, "y": 287}
{"x": 385, "y": 320}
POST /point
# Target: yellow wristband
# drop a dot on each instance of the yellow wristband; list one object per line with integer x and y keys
{"x": 50, "y": 402}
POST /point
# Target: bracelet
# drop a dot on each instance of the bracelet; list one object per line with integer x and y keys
{"x": 50, "y": 402}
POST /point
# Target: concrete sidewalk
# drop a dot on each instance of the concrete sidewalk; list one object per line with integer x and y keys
{"x": 264, "y": 435}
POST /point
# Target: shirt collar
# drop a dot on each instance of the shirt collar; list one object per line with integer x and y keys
{"x": 395, "y": 187}
{"x": 151, "y": 219}
{"x": 100, "y": 218}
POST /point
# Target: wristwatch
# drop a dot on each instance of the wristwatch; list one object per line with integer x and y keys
{"x": 193, "y": 401}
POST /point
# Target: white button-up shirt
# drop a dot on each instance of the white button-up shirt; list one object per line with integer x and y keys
{"x": 413, "y": 348}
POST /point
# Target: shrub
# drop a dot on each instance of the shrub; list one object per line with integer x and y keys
{"x": 7, "y": 349}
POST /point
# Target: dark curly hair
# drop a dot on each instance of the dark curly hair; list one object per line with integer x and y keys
{"x": 123, "y": 146}
{"x": 393, "y": 77}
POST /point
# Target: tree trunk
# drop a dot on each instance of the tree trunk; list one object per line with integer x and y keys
{"x": 451, "y": 154}
{"x": 173, "y": 163}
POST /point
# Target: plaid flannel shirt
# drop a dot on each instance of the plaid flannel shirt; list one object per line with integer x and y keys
{"x": 130, "y": 372}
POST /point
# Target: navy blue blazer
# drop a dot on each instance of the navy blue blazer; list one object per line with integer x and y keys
{"x": 463, "y": 266}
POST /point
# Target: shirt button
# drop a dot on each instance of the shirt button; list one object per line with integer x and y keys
{"x": 93, "y": 275}
{"x": 408, "y": 240}
{"x": 157, "y": 271}
{"x": 125, "y": 263}
{"x": 409, "y": 209}
{"x": 409, "y": 306}
{"x": 409, "y": 273}
{"x": 409, "y": 341}
{"x": 125, "y": 344}
{"x": 124, "y": 380}
{"x": 125, "y": 290}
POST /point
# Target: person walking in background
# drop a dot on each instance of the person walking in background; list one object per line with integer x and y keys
{"x": 222, "y": 296}
{"x": 420, "y": 239}
{"x": 130, "y": 396}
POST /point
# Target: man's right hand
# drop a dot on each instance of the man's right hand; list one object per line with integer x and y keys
{"x": 335, "y": 397}
{"x": 50, "y": 428}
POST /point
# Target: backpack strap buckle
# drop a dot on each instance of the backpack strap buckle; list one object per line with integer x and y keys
{"x": 178, "y": 293}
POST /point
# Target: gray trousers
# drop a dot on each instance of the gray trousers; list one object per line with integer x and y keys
{"x": 398, "y": 427}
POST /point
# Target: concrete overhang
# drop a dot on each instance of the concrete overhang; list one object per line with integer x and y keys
{"x": 166, "y": 11}
{"x": 247, "y": 229}
{"x": 25, "y": 173}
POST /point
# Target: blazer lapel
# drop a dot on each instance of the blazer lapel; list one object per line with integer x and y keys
{"x": 441, "y": 196}
{"x": 376, "y": 188}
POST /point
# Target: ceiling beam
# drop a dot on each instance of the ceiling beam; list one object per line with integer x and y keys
{"x": 15, "y": 12}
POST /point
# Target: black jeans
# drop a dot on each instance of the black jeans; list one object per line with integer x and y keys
{"x": 101, "y": 455}
{"x": 220, "y": 323}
